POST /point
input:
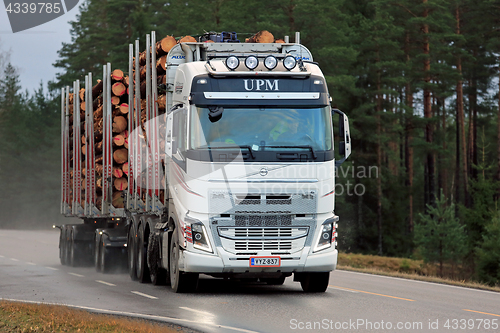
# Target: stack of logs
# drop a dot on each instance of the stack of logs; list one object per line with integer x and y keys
{"x": 120, "y": 117}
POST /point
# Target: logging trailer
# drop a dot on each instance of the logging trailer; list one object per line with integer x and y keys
{"x": 235, "y": 179}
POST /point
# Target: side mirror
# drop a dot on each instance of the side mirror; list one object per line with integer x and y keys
{"x": 344, "y": 133}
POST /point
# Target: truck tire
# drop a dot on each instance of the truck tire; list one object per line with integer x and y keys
{"x": 142, "y": 264}
{"x": 315, "y": 282}
{"x": 62, "y": 246}
{"x": 71, "y": 249}
{"x": 132, "y": 270}
{"x": 105, "y": 256}
{"x": 157, "y": 274}
{"x": 181, "y": 282}
{"x": 97, "y": 252}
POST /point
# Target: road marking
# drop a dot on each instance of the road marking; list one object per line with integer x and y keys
{"x": 31, "y": 263}
{"x": 367, "y": 292}
{"x": 2, "y": 257}
{"x": 351, "y": 291}
{"x": 106, "y": 283}
{"x": 486, "y": 313}
{"x": 144, "y": 295}
{"x": 74, "y": 274}
{"x": 418, "y": 281}
{"x": 52, "y": 268}
{"x": 197, "y": 311}
{"x": 14, "y": 259}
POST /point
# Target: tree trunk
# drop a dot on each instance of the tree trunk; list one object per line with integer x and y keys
{"x": 429, "y": 162}
{"x": 408, "y": 140}
{"x": 461, "y": 117}
{"x": 379, "y": 164}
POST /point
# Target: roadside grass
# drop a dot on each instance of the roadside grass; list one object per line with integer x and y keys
{"x": 16, "y": 317}
{"x": 406, "y": 268}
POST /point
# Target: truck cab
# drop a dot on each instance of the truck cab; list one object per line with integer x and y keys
{"x": 250, "y": 165}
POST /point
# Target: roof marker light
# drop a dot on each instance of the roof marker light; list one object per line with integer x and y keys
{"x": 251, "y": 62}
{"x": 232, "y": 62}
{"x": 270, "y": 62}
{"x": 289, "y": 62}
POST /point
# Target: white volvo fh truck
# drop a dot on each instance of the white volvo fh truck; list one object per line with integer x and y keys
{"x": 235, "y": 180}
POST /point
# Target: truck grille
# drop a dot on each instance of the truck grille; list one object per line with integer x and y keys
{"x": 237, "y": 240}
{"x": 263, "y": 233}
{"x": 260, "y": 220}
{"x": 263, "y": 245}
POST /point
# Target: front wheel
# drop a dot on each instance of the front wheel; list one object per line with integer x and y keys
{"x": 315, "y": 282}
{"x": 181, "y": 282}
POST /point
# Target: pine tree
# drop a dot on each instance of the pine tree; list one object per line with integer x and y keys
{"x": 439, "y": 234}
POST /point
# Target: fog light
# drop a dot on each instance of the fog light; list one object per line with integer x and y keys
{"x": 289, "y": 62}
{"x": 251, "y": 62}
{"x": 232, "y": 62}
{"x": 270, "y": 62}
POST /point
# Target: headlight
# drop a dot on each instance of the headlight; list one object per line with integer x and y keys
{"x": 199, "y": 234}
{"x": 289, "y": 62}
{"x": 251, "y": 62}
{"x": 326, "y": 236}
{"x": 232, "y": 62}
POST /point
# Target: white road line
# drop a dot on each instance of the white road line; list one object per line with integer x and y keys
{"x": 418, "y": 281}
{"x": 52, "y": 268}
{"x": 351, "y": 291}
{"x": 74, "y": 274}
{"x": 13, "y": 259}
{"x": 106, "y": 283}
{"x": 197, "y": 311}
{"x": 2, "y": 257}
{"x": 31, "y": 263}
{"x": 143, "y": 295}
{"x": 139, "y": 315}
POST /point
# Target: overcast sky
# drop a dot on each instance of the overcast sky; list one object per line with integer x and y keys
{"x": 33, "y": 51}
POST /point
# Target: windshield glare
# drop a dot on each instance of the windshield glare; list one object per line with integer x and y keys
{"x": 262, "y": 127}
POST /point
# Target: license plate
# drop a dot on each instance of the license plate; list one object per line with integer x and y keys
{"x": 265, "y": 261}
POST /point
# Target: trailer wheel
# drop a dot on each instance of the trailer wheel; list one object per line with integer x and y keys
{"x": 157, "y": 274}
{"x": 142, "y": 265}
{"x": 181, "y": 282}
{"x": 66, "y": 246}
{"x": 97, "y": 252}
{"x": 62, "y": 246}
{"x": 315, "y": 282}
{"x": 71, "y": 249}
{"x": 105, "y": 256}
{"x": 131, "y": 253}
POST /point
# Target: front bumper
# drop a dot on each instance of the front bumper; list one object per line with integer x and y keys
{"x": 225, "y": 262}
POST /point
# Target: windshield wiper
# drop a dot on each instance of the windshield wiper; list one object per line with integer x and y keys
{"x": 229, "y": 147}
{"x": 291, "y": 147}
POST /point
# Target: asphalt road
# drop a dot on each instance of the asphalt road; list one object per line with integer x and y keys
{"x": 354, "y": 302}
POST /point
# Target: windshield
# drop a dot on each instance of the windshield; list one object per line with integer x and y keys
{"x": 258, "y": 128}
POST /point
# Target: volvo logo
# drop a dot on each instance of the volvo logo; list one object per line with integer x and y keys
{"x": 263, "y": 171}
